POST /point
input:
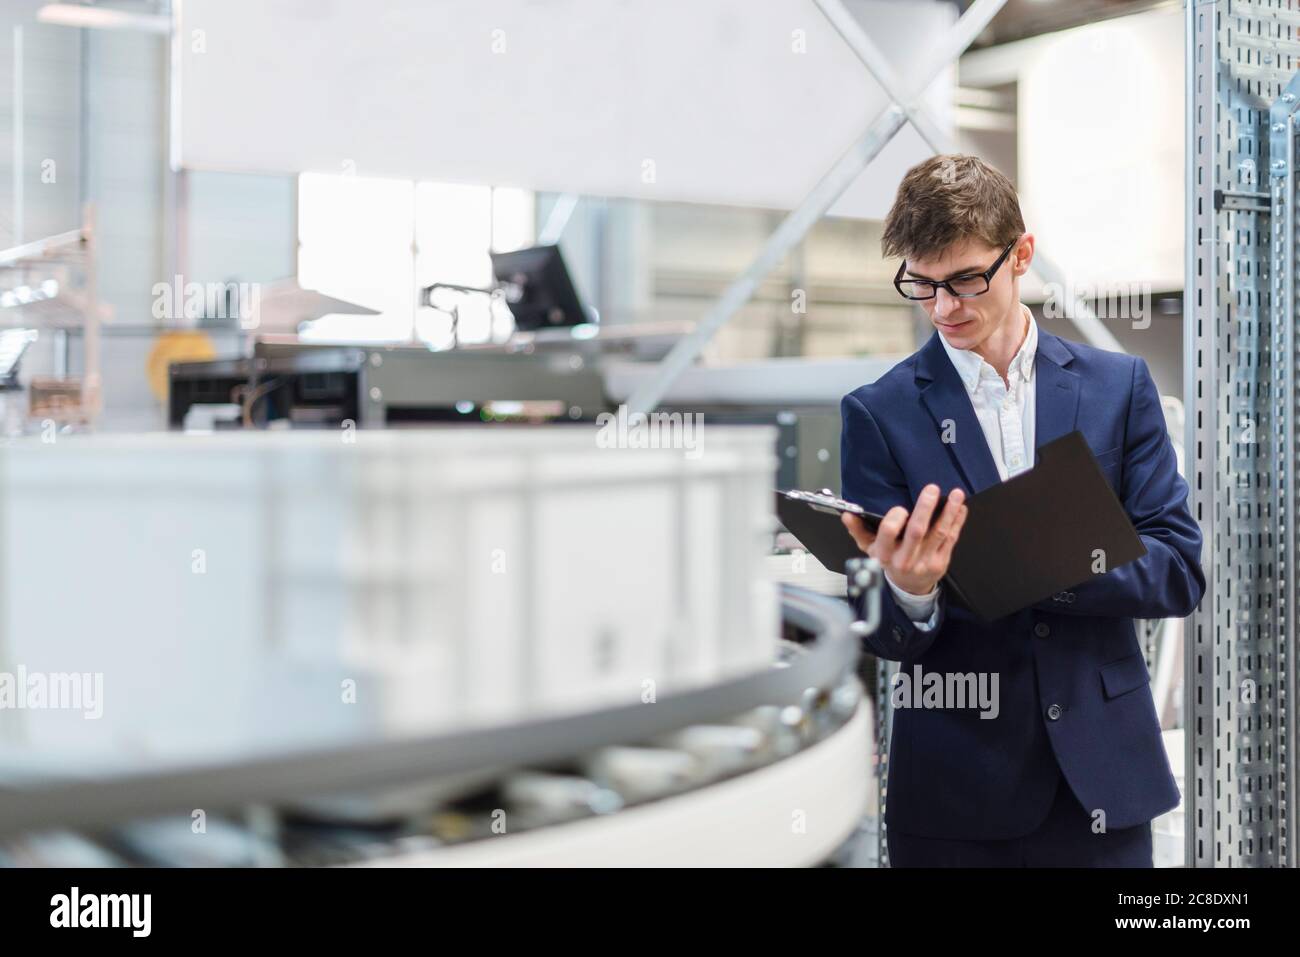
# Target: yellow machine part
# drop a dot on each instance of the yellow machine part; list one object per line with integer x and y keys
{"x": 175, "y": 346}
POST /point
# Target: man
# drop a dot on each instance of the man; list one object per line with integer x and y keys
{"x": 1069, "y": 768}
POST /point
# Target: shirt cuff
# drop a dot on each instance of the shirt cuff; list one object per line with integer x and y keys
{"x": 921, "y": 610}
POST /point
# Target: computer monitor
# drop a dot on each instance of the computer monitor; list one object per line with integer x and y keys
{"x": 538, "y": 289}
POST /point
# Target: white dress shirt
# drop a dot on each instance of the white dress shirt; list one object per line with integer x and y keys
{"x": 1005, "y": 411}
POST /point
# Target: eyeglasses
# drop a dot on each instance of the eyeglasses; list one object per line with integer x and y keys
{"x": 963, "y": 287}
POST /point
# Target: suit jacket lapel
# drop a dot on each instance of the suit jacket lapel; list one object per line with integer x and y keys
{"x": 949, "y": 404}
{"x": 1056, "y": 391}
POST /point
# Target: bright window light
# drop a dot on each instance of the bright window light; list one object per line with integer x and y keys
{"x": 355, "y": 239}
{"x": 514, "y": 224}
{"x": 454, "y": 232}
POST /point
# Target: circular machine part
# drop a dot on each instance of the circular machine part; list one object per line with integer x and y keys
{"x": 794, "y": 812}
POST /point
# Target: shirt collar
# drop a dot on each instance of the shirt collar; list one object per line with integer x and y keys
{"x": 971, "y": 366}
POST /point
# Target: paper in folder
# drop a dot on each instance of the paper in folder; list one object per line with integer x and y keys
{"x": 1044, "y": 531}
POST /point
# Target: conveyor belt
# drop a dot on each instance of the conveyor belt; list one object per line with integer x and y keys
{"x": 90, "y": 803}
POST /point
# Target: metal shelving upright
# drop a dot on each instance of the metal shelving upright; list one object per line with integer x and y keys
{"x": 1239, "y": 353}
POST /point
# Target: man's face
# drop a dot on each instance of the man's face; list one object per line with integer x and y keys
{"x": 968, "y": 323}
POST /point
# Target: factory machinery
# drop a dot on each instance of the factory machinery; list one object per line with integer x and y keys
{"x": 559, "y": 365}
{"x": 437, "y": 646}
{"x": 770, "y": 770}
{"x": 551, "y": 376}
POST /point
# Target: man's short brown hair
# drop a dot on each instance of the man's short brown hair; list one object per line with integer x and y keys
{"x": 947, "y": 199}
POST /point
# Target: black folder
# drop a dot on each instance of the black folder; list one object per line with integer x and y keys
{"x": 1029, "y": 538}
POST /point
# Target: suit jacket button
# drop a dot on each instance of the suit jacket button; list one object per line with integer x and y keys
{"x": 1054, "y": 712}
{"x": 898, "y": 633}
{"x": 1041, "y": 630}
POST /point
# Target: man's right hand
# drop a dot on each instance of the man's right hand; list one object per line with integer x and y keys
{"x": 914, "y": 555}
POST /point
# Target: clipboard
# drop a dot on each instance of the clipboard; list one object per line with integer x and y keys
{"x": 1026, "y": 539}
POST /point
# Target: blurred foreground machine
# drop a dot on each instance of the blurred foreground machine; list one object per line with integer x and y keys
{"x": 547, "y": 376}
{"x": 415, "y": 647}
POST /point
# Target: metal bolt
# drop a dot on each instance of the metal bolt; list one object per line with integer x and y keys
{"x": 375, "y": 394}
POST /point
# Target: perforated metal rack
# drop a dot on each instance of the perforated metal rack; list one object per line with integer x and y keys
{"x": 1239, "y": 373}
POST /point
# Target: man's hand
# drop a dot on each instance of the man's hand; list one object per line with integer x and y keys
{"x": 914, "y": 555}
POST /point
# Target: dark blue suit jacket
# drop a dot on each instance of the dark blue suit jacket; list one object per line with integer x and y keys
{"x": 953, "y": 774}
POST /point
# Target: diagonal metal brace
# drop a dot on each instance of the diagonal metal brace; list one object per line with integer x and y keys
{"x": 797, "y": 223}
{"x": 1076, "y": 309}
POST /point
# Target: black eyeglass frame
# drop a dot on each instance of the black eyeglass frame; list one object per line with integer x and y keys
{"x": 934, "y": 284}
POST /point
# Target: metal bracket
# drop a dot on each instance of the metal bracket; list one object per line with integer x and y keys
{"x": 1242, "y": 201}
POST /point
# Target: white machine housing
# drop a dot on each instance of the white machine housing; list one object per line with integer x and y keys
{"x": 246, "y": 590}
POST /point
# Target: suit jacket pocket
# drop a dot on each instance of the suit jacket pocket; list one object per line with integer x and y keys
{"x": 1110, "y": 458}
{"x": 1125, "y": 675}
{"x": 1112, "y": 466}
